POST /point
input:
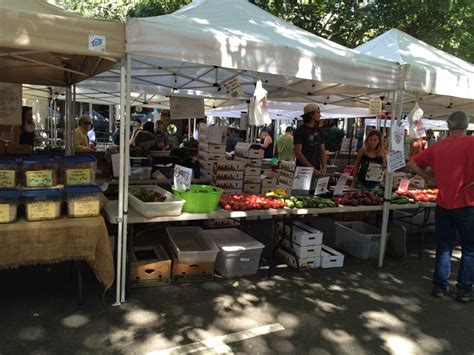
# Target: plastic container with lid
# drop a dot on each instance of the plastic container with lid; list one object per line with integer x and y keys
{"x": 192, "y": 245}
{"x": 78, "y": 169}
{"x": 83, "y": 201}
{"x": 8, "y": 172}
{"x": 9, "y": 200}
{"x": 239, "y": 254}
{"x": 42, "y": 204}
{"x": 40, "y": 171}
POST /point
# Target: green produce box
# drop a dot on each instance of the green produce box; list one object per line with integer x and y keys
{"x": 200, "y": 198}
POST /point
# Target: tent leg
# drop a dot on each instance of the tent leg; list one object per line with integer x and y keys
{"x": 69, "y": 136}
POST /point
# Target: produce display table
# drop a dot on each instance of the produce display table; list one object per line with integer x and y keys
{"x": 65, "y": 239}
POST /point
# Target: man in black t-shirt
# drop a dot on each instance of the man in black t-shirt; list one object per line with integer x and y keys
{"x": 310, "y": 150}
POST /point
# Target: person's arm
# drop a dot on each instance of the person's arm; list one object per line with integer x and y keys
{"x": 266, "y": 142}
{"x": 324, "y": 158}
{"x": 356, "y": 167}
{"x": 418, "y": 164}
{"x": 300, "y": 156}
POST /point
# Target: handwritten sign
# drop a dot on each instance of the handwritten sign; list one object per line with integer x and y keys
{"x": 338, "y": 190}
{"x": 374, "y": 172}
{"x": 78, "y": 176}
{"x": 4, "y": 213}
{"x": 398, "y": 138}
{"x": 302, "y": 179}
{"x": 404, "y": 184}
{"x": 375, "y": 107}
{"x": 7, "y": 178}
{"x": 395, "y": 161}
{"x": 41, "y": 211}
{"x": 321, "y": 185}
{"x": 86, "y": 208}
{"x": 182, "y": 178}
{"x": 39, "y": 178}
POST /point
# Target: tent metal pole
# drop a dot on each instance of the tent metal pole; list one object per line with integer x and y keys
{"x": 69, "y": 123}
{"x": 126, "y": 175}
{"x": 121, "y": 186}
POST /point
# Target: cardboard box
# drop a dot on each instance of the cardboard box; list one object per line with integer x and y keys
{"x": 232, "y": 191}
{"x": 252, "y": 188}
{"x": 245, "y": 150}
{"x": 192, "y": 272}
{"x": 285, "y": 173}
{"x": 307, "y": 252}
{"x": 216, "y": 134}
{"x": 251, "y": 179}
{"x": 221, "y": 223}
{"x": 264, "y": 190}
{"x": 212, "y": 148}
{"x": 149, "y": 266}
{"x": 287, "y": 165}
{"x": 252, "y": 171}
{"x": 206, "y": 174}
{"x": 210, "y": 156}
{"x": 303, "y": 235}
{"x": 229, "y": 165}
{"x": 287, "y": 188}
{"x": 257, "y": 163}
{"x": 228, "y": 184}
{"x": 228, "y": 175}
{"x": 331, "y": 258}
{"x": 206, "y": 164}
{"x": 283, "y": 180}
{"x": 294, "y": 262}
{"x": 417, "y": 182}
{"x": 269, "y": 182}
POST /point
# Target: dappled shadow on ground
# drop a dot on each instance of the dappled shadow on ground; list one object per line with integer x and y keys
{"x": 356, "y": 309}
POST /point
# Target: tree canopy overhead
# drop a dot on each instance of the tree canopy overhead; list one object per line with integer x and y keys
{"x": 444, "y": 24}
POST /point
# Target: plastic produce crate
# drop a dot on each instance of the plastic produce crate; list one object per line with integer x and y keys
{"x": 192, "y": 245}
{"x": 171, "y": 207}
{"x": 200, "y": 198}
{"x": 239, "y": 254}
{"x": 359, "y": 239}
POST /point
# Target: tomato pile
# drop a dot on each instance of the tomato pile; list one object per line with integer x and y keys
{"x": 365, "y": 198}
{"x": 245, "y": 202}
{"x": 427, "y": 195}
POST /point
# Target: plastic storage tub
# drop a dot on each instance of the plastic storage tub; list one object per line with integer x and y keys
{"x": 172, "y": 206}
{"x": 79, "y": 169}
{"x": 42, "y": 204}
{"x": 9, "y": 199}
{"x": 8, "y": 172}
{"x": 239, "y": 254}
{"x": 200, "y": 198}
{"x": 83, "y": 201}
{"x": 359, "y": 239}
{"x": 40, "y": 171}
{"x": 192, "y": 245}
{"x": 140, "y": 173}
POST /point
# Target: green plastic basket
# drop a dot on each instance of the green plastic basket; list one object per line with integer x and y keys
{"x": 200, "y": 198}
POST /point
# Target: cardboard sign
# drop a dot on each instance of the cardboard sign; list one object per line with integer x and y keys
{"x": 39, "y": 178}
{"x": 97, "y": 43}
{"x": 398, "y": 138}
{"x": 404, "y": 184}
{"x": 321, "y": 185}
{"x": 340, "y": 184}
{"x": 86, "y": 208}
{"x": 395, "y": 161}
{"x": 182, "y": 178}
{"x": 302, "y": 178}
{"x": 78, "y": 176}
{"x": 374, "y": 172}
{"x": 186, "y": 107}
{"x": 7, "y": 178}
{"x": 4, "y": 213}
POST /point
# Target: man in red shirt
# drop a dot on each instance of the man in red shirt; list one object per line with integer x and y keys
{"x": 452, "y": 165}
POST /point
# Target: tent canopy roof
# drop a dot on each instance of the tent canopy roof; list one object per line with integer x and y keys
{"x": 431, "y": 70}
{"x": 43, "y": 44}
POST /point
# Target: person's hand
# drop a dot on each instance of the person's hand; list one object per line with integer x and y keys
{"x": 317, "y": 173}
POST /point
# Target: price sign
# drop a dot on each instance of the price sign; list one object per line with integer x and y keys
{"x": 7, "y": 178}
{"x": 340, "y": 184}
{"x": 39, "y": 178}
{"x": 398, "y": 138}
{"x": 374, "y": 172}
{"x": 395, "y": 161}
{"x": 404, "y": 184}
{"x": 78, "y": 176}
{"x": 302, "y": 179}
{"x": 182, "y": 178}
{"x": 86, "y": 208}
{"x": 41, "y": 211}
{"x": 4, "y": 213}
{"x": 375, "y": 107}
{"x": 321, "y": 185}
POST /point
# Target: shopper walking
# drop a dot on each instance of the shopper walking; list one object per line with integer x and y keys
{"x": 284, "y": 148}
{"x": 452, "y": 165}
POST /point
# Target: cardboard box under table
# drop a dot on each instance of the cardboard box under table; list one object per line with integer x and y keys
{"x": 149, "y": 266}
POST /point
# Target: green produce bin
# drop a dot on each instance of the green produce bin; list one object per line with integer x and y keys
{"x": 200, "y": 198}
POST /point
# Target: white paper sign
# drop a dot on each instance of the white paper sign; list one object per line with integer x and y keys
{"x": 182, "y": 178}
{"x": 375, "y": 107}
{"x": 232, "y": 87}
{"x": 302, "y": 179}
{"x": 340, "y": 184}
{"x": 97, "y": 43}
{"x": 321, "y": 185}
{"x": 346, "y": 143}
{"x": 374, "y": 172}
{"x": 404, "y": 184}
{"x": 186, "y": 107}
{"x": 395, "y": 161}
{"x": 398, "y": 138}
{"x": 10, "y": 104}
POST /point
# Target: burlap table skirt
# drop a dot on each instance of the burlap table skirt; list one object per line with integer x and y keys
{"x": 65, "y": 239}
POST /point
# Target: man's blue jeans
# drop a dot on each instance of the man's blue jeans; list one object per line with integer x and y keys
{"x": 447, "y": 223}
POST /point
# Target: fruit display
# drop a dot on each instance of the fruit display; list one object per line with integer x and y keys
{"x": 147, "y": 196}
{"x": 362, "y": 198}
{"x": 244, "y": 202}
{"x": 277, "y": 192}
{"x": 394, "y": 198}
{"x": 426, "y": 195}
{"x": 309, "y": 202}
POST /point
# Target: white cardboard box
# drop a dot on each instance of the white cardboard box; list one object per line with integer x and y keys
{"x": 212, "y": 148}
{"x": 252, "y": 179}
{"x": 206, "y": 164}
{"x": 304, "y": 264}
{"x": 331, "y": 258}
{"x": 312, "y": 251}
{"x": 285, "y": 181}
{"x": 228, "y": 175}
{"x": 252, "y": 171}
{"x": 232, "y": 191}
{"x": 228, "y": 184}
{"x": 229, "y": 165}
{"x": 269, "y": 182}
{"x": 286, "y": 173}
{"x": 288, "y": 165}
{"x": 252, "y": 188}
{"x": 210, "y": 156}
{"x": 250, "y": 162}
{"x": 207, "y": 174}
{"x": 303, "y": 235}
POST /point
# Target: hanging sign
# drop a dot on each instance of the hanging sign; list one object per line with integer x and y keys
{"x": 302, "y": 178}
{"x": 395, "y": 161}
{"x": 338, "y": 190}
{"x": 232, "y": 87}
{"x": 404, "y": 184}
{"x": 97, "y": 43}
{"x": 182, "y": 178}
{"x": 10, "y": 104}
{"x": 374, "y": 172}
{"x": 186, "y": 107}
{"x": 398, "y": 138}
{"x": 346, "y": 144}
{"x": 375, "y": 107}
{"x": 321, "y": 186}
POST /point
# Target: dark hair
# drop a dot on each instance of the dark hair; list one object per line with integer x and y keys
{"x": 149, "y": 127}
{"x": 137, "y": 120}
{"x": 307, "y": 117}
{"x": 289, "y": 129}
{"x": 24, "y": 110}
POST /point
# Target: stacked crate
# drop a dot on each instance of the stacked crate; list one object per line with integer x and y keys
{"x": 286, "y": 174}
{"x": 252, "y": 158}
{"x": 211, "y": 148}
{"x": 228, "y": 175}
{"x": 269, "y": 181}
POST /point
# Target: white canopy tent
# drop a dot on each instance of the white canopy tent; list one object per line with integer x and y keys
{"x": 436, "y": 125}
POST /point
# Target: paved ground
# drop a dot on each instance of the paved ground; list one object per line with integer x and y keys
{"x": 354, "y": 310}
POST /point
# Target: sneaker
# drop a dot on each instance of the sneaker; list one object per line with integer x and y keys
{"x": 439, "y": 292}
{"x": 464, "y": 296}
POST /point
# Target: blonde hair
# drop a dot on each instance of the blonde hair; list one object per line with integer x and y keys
{"x": 83, "y": 118}
{"x": 379, "y": 149}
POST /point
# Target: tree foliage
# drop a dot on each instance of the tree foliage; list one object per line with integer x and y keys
{"x": 445, "y": 24}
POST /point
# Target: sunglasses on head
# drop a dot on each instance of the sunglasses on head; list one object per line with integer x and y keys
{"x": 86, "y": 122}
